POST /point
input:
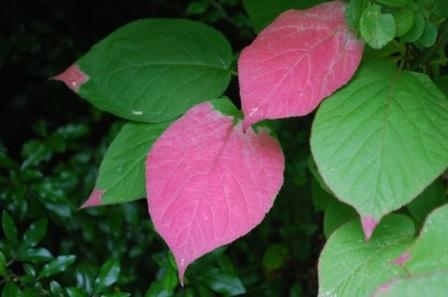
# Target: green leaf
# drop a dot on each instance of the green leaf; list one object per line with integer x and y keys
{"x": 154, "y": 70}
{"x": 416, "y": 30}
{"x": 34, "y": 255}
{"x": 34, "y": 152}
{"x": 9, "y": 228}
{"x": 263, "y": 12}
{"x": 433, "y": 196}
{"x": 30, "y": 292}
{"x": 442, "y": 83}
{"x": 442, "y": 7}
{"x": 75, "y": 292}
{"x": 29, "y": 270}
{"x": 56, "y": 266}
{"x": 433, "y": 284}
{"x": 167, "y": 279}
{"x": 2, "y": 264}
{"x": 85, "y": 278}
{"x": 395, "y": 3}
{"x": 55, "y": 288}
{"x": 379, "y": 141}
{"x": 429, "y": 36}
{"x": 223, "y": 282}
{"x": 353, "y": 13}
{"x": 274, "y": 257}
{"x": 35, "y": 233}
{"x": 321, "y": 198}
{"x": 122, "y": 172}
{"x": 121, "y": 294}
{"x": 6, "y": 161}
{"x": 377, "y": 29}
{"x": 404, "y": 19}
{"x": 350, "y": 266}
{"x": 108, "y": 275}
{"x": 337, "y": 214}
{"x": 11, "y": 290}
{"x": 197, "y": 7}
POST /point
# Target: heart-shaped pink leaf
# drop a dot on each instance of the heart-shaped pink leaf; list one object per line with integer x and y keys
{"x": 298, "y": 60}
{"x": 209, "y": 183}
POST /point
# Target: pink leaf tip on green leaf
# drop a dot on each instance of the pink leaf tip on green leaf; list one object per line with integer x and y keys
{"x": 402, "y": 259}
{"x": 94, "y": 199}
{"x": 298, "y": 60}
{"x": 72, "y": 77}
{"x": 209, "y": 183}
{"x": 368, "y": 225}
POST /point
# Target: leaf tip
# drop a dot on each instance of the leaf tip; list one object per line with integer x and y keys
{"x": 181, "y": 268}
{"x": 368, "y": 225}
{"x": 402, "y": 259}
{"x": 72, "y": 77}
{"x": 94, "y": 199}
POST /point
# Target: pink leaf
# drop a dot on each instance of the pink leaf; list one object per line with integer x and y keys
{"x": 72, "y": 77}
{"x": 298, "y": 60}
{"x": 209, "y": 183}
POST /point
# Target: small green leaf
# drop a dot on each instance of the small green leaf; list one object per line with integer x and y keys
{"x": 10, "y": 290}
{"x": 416, "y": 30}
{"x": 35, "y": 255}
{"x": 122, "y": 172}
{"x": 197, "y": 7}
{"x": 429, "y": 36}
{"x": 274, "y": 257}
{"x": 85, "y": 278}
{"x": 75, "y": 292}
{"x": 154, "y": 70}
{"x": 353, "y": 13}
{"x": 6, "y": 162}
{"x": 121, "y": 294}
{"x": 55, "y": 288}
{"x": 108, "y": 275}
{"x": 404, "y": 19}
{"x": 223, "y": 282}
{"x": 29, "y": 270}
{"x": 432, "y": 197}
{"x": 56, "y": 266}
{"x": 35, "y": 233}
{"x": 35, "y": 152}
{"x": 9, "y": 228}
{"x": 395, "y": 3}
{"x": 377, "y": 29}
{"x": 2, "y": 264}
{"x": 31, "y": 292}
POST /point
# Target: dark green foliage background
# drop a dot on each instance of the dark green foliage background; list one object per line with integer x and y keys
{"x": 52, "y": 143}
